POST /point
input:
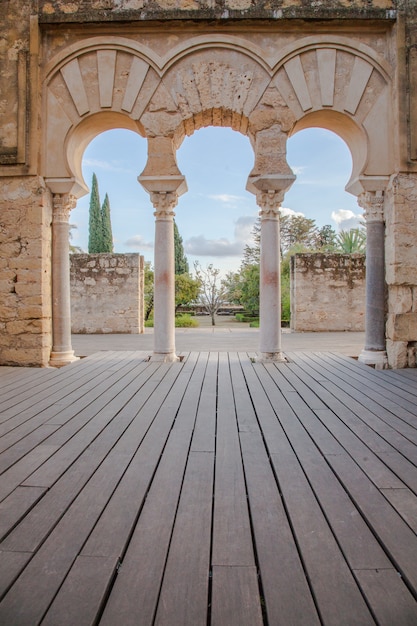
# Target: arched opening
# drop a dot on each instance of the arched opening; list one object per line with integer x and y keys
{"x": 327, "y": 288}
{"x": 107, "y": 290}
{"x": 323, "y": 164}
{"x": 216, "y": 216}
{"x": 216, "y": 213}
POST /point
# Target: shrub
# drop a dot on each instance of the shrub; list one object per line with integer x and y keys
{"x": 254, "y": 324}
{"x": 186, "y": 321}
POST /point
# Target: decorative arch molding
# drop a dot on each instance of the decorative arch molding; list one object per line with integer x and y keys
{"x": 219, "y": 80}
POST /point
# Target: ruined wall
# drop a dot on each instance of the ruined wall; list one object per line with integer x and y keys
{"x": 107, "y": 293}
{"x": 327, "y": 292}
{"x": 25, "y": 269}
{"x": 33, "y": 32}
{"x": 401, "y": 270}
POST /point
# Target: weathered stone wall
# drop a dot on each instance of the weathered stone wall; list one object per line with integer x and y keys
{"x": 107, "y": 293}
{"x": 25, "y": 260}
{"x": 401, "y": 270}
{"x": 327, "y": 292}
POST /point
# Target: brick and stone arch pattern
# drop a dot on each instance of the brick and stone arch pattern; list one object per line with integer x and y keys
{"x": 101, "y": 83}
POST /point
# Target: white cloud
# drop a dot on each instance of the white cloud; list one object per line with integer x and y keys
{"x": 298, "y": 169}
{"x": 201, "y": 246}
{"x": 347, "y": 219}
{"x": 105, "y": 165}
{"x": 138, "y": 242}
{"x": 227, "y": 199}
{"x": 285, "y": 211}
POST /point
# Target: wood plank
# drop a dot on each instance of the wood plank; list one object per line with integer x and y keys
{"x": 81, "y": 586}
{"x": 205, "y": 426}
{"x": 236, "y": 600}
{"x": 390, "y": 600}
{"x": 35, "y": 588}
{"x": 405, "y": 503}
{"x": 39, "y": 522}
{"x": 399, "y": 541}
{"x": 16, "y": 505}
{"x": 326, "y": 567}
{"x": 185, "y": 588}
{"x": 370, "y": 448}
{"x": 151, "y": 430}
{"x": 89, "y": 422}
{"x": 135, "y": 593}
{"x": 288, "y": 599}
{"x": 232, "y": 540}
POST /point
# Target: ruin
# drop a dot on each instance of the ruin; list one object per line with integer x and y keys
{"x": 164, "y": 69}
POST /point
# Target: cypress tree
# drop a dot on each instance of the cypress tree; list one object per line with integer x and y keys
{"x": 181, "y": 262}
{"x": 107, "y": 235}
{"x": 95, "y": 221}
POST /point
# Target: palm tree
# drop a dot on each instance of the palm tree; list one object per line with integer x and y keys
{"x": 351, "y": 241}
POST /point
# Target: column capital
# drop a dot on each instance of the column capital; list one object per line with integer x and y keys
{"x": 164, "y": 203}
{"x": 373, "y": 204}
{"x": 270, "y": 203}
{"x": 63, "y": 203}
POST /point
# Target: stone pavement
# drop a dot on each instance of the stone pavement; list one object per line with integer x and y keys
{"x": 228, "y": 335}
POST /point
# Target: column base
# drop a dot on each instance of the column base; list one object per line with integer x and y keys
{"x": 59, "y": 359}
{"x": 271, "y": 357}
{"x": 164, "y": 357}
{"x": 378, "y": 358}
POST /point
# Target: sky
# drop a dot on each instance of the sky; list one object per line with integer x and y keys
{"x": 215, "y": 217}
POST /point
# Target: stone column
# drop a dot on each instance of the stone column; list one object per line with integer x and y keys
{"x": 62, "y": 352}
{"x": 374, "y": 352}
{"x": 270, "y": 276}
{"x": 164, "y": 277}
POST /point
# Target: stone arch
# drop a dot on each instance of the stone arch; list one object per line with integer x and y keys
{"x": 331, "y": 84}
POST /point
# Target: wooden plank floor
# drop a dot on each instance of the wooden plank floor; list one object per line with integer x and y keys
{"x": 215, "y": 491}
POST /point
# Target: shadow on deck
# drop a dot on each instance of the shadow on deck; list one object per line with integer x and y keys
{"x": 212, "y": 491}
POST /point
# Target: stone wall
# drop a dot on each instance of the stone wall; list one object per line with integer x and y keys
{"x": 25, "y": 261}
{"x": 107, "y": 293}
{"x": 401, "y": 270}
{"x": 327, "y": 292}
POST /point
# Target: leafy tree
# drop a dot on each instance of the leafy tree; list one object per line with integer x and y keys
{"x": 252, "y": 253}
{"x": 181, "y": 262}
{"x": 250, "y": 284}
{"x": 326, "y": 239}
{"x": 351, "y": 241}
{"x": 187, "y": 289}
{"x": 149, "y": 290}
{"x": 212, "y": 289}
{"x": 297, "y": 229}
{"x": 95, "y": 219}
{"x": 106, "y": 244}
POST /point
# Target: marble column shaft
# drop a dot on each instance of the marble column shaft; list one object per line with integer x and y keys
{"x": 270, "y": 278}
{"x": 62, "y": 352}
{"x": 164, "y": 276}
{"x": 373, "y": 205}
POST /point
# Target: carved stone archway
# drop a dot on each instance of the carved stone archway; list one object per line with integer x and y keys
{"x": 259, "y": 78}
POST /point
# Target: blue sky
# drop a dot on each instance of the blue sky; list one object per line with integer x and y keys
{"x": 216, "y": 215}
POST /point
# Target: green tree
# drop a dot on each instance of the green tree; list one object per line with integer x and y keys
{"x": 252, "y": 253}
{"x": 95, "y": 220}
{"x": 250, "y": 284}
{"x": 212, "y": 290}
{"x": 187, "y": 289}
{"x": 326, "y": 239}
{"x": 351, "y": 241}
{"x": 297, "y": 229}
{"x": 148, "y": 289}
{"x": 181, "y": 262}
{"x": 106, "y": 235}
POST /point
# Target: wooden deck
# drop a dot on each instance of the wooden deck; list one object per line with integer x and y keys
{"x": 216, "y": 491}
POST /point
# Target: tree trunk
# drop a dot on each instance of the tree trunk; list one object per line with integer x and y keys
{"x": 213, "y": 321}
